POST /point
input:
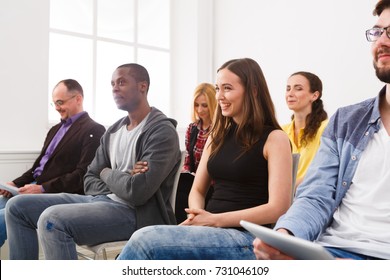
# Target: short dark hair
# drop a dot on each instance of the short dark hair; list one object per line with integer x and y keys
{"x": 72, "y": 85}
{"x": 380, "y": 6}
{"x": 138, "y": 72}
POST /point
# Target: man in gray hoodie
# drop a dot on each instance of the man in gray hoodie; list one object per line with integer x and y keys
{"x": 117, "y": 201}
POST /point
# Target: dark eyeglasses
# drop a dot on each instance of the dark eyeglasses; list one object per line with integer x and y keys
{"x": 375, "y": 33}
{"x": 59, "y": 103}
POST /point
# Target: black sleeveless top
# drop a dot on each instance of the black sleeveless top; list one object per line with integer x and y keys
{"x": 240, "y": 180}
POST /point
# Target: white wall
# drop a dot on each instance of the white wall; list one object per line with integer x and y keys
{"x": 192, "y": 55}
{"x": 285, "y": 36}
{"x": 324, "y": 37}
{"x": 23, "y": 73}
{"x": 14, "y": 164}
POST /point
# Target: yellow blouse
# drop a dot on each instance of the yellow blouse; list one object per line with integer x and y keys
{"x": 307, "y": 152}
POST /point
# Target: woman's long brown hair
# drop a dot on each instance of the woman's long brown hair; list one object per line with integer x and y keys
{"x": 258, "y": 108}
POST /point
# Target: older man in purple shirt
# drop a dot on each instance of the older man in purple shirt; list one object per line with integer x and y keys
{"x": 68, "y": 149}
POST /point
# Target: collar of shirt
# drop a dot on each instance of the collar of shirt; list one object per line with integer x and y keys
{"x": 72, "y": 119}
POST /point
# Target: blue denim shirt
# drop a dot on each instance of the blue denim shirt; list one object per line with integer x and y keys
{"x": 331, "y": 172}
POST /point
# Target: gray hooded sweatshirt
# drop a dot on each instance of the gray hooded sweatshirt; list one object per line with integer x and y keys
{"x": 148, "y": 193}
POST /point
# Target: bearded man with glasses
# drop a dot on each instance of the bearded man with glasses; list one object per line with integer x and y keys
{"x": 68, "y": 149}
{"x": 343, "y": 202}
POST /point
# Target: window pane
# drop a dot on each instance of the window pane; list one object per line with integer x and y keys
{"x": 134, "y": 22}
{"x": 109, "y": 57}
{"x": 115, "y": 19}
{"x": 70, "y": 58}
{"x": 153, "y": 22}
{"x": 158, "y": 66}
{"x": 72, "y": 15}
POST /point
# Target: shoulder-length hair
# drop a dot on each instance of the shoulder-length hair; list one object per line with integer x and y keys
{"x": 258, "y": 109}
{"x": 208, "y": 90}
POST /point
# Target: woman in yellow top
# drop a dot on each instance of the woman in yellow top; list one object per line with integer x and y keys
{"x": 309, "y": 119}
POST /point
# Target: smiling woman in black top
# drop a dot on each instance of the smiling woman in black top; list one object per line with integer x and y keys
{"x": 248, "y": 157}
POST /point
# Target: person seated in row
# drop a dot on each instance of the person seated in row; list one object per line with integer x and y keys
{"x": 343, "y": 203}
{"x": 203, "y": 109}
{"x": 68, "y": 149}
{"x": 116, "y": 203}
{"x": 248, "y": 157}
{"x": 309, "y": 119}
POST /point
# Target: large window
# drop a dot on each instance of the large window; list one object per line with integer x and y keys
{"x": 90, "y": 38}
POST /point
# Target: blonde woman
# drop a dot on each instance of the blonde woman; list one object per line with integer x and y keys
{"x": 203, "y": 108}
{"x": 204, "y": 104}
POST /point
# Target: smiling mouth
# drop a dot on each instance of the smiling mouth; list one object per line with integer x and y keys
{"x": 383, "y": 53}
{"x": 224, "y": 106}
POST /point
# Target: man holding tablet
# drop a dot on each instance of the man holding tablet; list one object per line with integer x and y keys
{"x": 341, "y": 204}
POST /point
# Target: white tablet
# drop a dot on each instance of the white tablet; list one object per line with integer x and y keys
{"x": 13, "y": 190}
{"x": 297, "y": 248}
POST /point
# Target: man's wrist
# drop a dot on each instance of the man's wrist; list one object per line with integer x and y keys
{"x": 286, "y": 231}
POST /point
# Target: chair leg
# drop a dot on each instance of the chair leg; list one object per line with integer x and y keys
{"x": 84, "y": 256}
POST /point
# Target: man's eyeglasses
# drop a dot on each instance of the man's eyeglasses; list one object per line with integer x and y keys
{"x": 375, "y": 33}
{"x": 59, "y": 103}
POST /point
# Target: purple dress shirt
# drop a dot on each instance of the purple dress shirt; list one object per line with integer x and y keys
{"x": 66, "y": 124}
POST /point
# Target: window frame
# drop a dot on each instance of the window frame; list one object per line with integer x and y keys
{"x": 95, "y": 39}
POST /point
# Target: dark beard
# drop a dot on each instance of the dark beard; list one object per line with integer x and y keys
{"x": 382, "y": 74}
